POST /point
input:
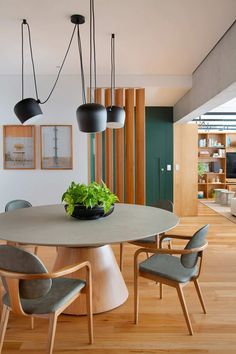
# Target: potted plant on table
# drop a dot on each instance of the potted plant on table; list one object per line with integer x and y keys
{"x": 90, "y": 201}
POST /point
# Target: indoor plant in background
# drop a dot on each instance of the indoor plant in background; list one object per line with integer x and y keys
{"x": 90, "y": 201}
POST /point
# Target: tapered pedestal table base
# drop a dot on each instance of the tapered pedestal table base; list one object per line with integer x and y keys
{"x": 109, "y": 288}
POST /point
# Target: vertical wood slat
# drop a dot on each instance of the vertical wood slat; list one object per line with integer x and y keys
{"x": 98, "y": 142}
{"x": 119, "y": 150}
{"x": 109, "y": 146}
{"x": 140, "y": 146}
{"x": 89, "y": 145}
{"x": 129, "y": 146}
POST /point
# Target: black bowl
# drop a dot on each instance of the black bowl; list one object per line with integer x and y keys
{"x": 83, "y": 213}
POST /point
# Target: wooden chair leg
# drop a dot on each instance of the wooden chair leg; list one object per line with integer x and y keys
{"x": 136, "y": 296}
{"x": 36, "y": 250}
{"x": 3, "y": 325}
{"x": 161, "y": 291}
{"x": 121, "y": 256}
{"x": 89, "y": 311}
{"x": 198, "y": 289}
{"x": 169, "y": 245}
{"x": 32, "y": 322}
{"x": 51, "y": 332}
{"x": 184, "y": 308}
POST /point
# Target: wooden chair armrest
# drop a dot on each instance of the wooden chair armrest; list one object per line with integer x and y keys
{"x": 169, "y": 251}
{"x": 180, "y": 237}
{"x": 59, "y": 273}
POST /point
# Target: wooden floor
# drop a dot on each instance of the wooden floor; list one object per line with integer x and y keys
{"x": 162, "y": 328}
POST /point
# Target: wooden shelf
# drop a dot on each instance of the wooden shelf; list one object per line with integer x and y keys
{"x": 210, "y": 139}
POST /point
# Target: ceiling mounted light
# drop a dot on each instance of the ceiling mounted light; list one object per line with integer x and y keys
{"x": 29, "y": 107}
{"x": 91, "y": 117}
{"x": 115, "y": 114}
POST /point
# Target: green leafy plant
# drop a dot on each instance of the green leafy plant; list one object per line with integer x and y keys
{"x": 201, "y": 169}
{"x": 88, "y": 195}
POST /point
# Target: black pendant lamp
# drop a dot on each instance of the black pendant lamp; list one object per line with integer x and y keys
{"x": 115, "y": 114}
{"x": 28, "y": 108}
{"x": 91, "y": 117}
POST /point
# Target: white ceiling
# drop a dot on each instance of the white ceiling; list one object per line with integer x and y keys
{"x": 162, "y": 37}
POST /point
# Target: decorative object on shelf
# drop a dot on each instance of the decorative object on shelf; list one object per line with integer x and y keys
{"x": 202, "y": 143}
{"x": 204, "y": 153}
{"x": 200, "y": 194}
{"x": 90, "y": 201}
{"x": 91, "y": 117}
{"x": 201, "y": 169}
{"x": 19, "y": 147}
{"x": 56, "y": 147}
{"x": 28, "y": 108}
{"x": 115, "y": 114}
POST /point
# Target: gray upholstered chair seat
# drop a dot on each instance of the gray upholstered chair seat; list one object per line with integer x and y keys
{"x": 62, "y": 290}
{"x": 167, "y": 266}
{"x": 150, "y": 239}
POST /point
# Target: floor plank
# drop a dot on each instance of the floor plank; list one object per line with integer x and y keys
{"x": 162, "y": 328}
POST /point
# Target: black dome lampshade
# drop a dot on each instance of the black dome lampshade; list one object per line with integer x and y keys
{"x": 91, "y": 118}
{"x": 26, "y": 109}
{"x": 115, "y": 114}
{"x": 115, "y": 117}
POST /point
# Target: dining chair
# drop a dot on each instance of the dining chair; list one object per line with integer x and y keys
{"x": 19, "y": 204}
{"x": 32, "y": 291}
{"x": 151, "y": 241}
{"x": 173, "y": 267}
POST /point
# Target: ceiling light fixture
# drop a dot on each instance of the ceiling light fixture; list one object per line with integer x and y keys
{"x": 28, "y": 108}
{"x": 115, "y": 114}
{"x": 91, "y": 117}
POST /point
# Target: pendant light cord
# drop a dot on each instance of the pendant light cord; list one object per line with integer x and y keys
{"x": 81, "y": 65}
{"x": 32, "y": 61}
{"x": 92, "y": 46}
{"x": 61, "y": 66}
{"x": 24, "y": 22}
{"x": 112, "y": 67}
{"x": 22, "y": 59}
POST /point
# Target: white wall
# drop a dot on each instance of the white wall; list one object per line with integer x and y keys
{"x": 42, "y": 186}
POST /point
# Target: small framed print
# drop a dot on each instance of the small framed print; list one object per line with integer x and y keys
{"x": 19, "y": 147}
{"x": 56, "y": 147}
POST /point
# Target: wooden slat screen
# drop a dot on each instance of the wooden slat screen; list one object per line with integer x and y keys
{"x": 140, "y": 147}
{"x": 98, "y": 142}
{"x": 124, "y": 151}
{"x": 119, "y": 149}
{"x": 108, "y": 147}
{"x": 129, "y": 146}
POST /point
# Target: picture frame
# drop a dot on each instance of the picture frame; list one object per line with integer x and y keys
{"x": 56, "y": 147}
{"x": 19, "y": 147}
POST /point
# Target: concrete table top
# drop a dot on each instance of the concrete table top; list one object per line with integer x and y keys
{"x": 50, "y": 226}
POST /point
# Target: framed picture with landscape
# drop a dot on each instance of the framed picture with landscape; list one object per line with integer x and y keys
{"x": 56, "y": 147}
{"x": 18, "y": 147}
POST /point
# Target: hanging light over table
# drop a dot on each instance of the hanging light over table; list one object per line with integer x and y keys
{"x": 28, "y": 108}
{"x": 91, "y": 117}
{"x": 115, "y": 114}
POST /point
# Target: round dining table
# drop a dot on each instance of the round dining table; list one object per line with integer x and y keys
{"x": 90, "y": 240}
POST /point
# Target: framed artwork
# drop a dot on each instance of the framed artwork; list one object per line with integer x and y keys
{"x": 56, "y": 147}
{"x": 19, "y": 147}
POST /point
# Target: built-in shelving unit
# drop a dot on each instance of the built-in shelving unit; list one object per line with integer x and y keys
{"x": 212, "y": 149}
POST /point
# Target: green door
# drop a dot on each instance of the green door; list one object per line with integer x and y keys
{"x": 159, "y": 154}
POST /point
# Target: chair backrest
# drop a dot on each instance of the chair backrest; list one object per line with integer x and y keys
{"x": 17, "y": 204}
{"x": 164, "y": 204}
{"x": 14, "y": 259}
{"x": 197, "y": 240}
